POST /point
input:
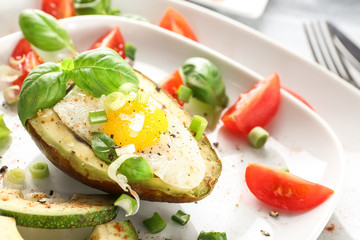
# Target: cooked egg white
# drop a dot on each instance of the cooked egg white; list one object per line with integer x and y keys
{"x": 174, "y": 156}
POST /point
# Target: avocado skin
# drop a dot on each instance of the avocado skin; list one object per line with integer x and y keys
{"x": 28, "y": 213}
{"x": 151, "y": 190}
{"x": 114, "y": 230}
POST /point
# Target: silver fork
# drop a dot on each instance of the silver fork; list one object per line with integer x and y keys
{"x": 324, "y": 51}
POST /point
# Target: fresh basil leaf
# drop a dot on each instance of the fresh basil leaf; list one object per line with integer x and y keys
{"x": 94, "y": 7}
{"x": 4, "y": 131}
{"x": 102, "y": 145}
{"x": 67, "y": 65}
{"x": 43, "y": 31}
{"x": 203, "y": 77}
{"x": 43, "y": 87}
{"x": 130, "y": 51}
{"x": 102, "y": 71}
{"x": 136, "y": 168}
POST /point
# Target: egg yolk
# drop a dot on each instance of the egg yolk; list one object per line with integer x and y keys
{"x": 136, "y": 123}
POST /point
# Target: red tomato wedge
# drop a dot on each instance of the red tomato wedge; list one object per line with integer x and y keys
{"x": 284, "y": 190}
{"x": 112, "y": 39}
{"x": 24, "y": 59}
{"x": 174, "y": 21}
{"x": 59, "y": 8}
{"x": 171, "y": 84}
{"x": 254, "y": 108}
{"x": 298, "y": 97}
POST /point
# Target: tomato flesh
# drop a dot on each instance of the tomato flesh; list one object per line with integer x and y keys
{"x": 112, "y": 39}
{"x": 284, "y": 190}
{"x": 58, "y": 8}
{"x": 174, "y": 21}
{"x": 171, "y": 84}
{"x": 254, "y": 108}
{"x": 26, "y": 60}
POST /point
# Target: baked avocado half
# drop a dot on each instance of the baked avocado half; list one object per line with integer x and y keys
{"x": 76, "y": 157}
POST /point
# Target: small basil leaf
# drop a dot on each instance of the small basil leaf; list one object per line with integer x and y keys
{"x": 4, "y": 131}
{"x": 67, "y": 65}
{"x": 136, "y": 168}
{"x": 43, "y": 31}
{"x": 42, "y": 88}
{"x": 94, "y": 7}
{"x": 102, "y": 145}
{"x": 102, "y": 71}
{"x": 203, "y": 77}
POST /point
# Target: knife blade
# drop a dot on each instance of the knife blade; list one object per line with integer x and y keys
{"x": 346, "y": 46}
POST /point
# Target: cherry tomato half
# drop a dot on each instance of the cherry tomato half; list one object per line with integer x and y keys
{"x": 25, "y": 60}
{"x": 284, "y": 190}
{"x": 58, "y": 8}
{"x": 254, "y": 108}
{"x": 171, "y": 84}
{"x": 112, "y": 39}
{"x": 174, "y": 21}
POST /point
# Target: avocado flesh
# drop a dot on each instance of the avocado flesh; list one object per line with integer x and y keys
{"x": 81, "y": 211}
{"x": 114, "y": 230}
{"x": 76, "y": 158}
{"x": 9, "y": 230}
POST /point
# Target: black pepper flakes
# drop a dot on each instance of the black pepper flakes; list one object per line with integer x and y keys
{"x": 51, "y": 192}
{"x": 42, "y": 201}
{"x": 274, "y": 214}
{"x": 158, "y": 88}
{"x": 216, "y": 144}
{"x": 265, "y": 233}
{"x": 3, "y": 169}
{"x": 111, "y": 156}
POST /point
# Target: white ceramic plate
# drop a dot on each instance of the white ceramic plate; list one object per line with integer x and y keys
{"x": 300, "y": 139}
{"x": 245, "y": 8}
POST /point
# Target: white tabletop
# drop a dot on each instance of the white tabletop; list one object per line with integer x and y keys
{"x": 283, "y": 21}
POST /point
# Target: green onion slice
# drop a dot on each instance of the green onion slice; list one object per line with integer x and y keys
{"x": 257, "y": 137}
{"x": 155, "y": 224}
{"x": 180, "y": 217}
{"x": 127, "y": 203}
{"x": 121, "y": 179}
{"x": 15, "y": 178}
{"x": 136, "y": 168}
{"x": 198, "y": 125}
{"x": 97, "y": 117}
{"x": 184, "y": 93}
{"x": 212, "y": 236}
{"x": 130, "y": 51}
{"x": 143, "y": 97}
{"x": 4, "y": 131}
{"x": 114, "y": 101}
{"x": 39, "y": 170}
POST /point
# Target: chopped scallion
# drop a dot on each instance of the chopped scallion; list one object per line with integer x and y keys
{"x": 136, "y": 168}
{"x": 114, "y": 101}
{"x": 180, "y": 217}
{"x": 198, "y": 125}
{"x": 284, "y": 168}
{"x": 127, "y": 203}
{"x": 97, "y": 117}
{"x": 15, "y": 178}
{"x": 257, "y": 137}
{"x": 143, "y": 97}
{"x": 184, "y": 93}
{"x": 130, "y": 51}
{"x": 155, "y": 224}
{"x": 212, "y": 236}
{"x": 39, "y": 170}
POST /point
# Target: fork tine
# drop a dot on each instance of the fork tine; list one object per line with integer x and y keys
{"x": 323, "y": 49}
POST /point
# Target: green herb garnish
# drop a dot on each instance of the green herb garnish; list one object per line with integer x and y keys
{"x": 103, "y": 146}
{"x": 136, "y": 168}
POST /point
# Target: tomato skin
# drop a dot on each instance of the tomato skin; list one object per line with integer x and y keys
{"x": 284, "y": 190}
{"x": 175, "y": 22}
{"x": 58, "y": 8}
{"x": 26, "y": 59}
{"x": 254, "y": 108}
{"x": 171, "y": 84}
{"x": 112, "y": 39}
{"x": 298, "y": 97}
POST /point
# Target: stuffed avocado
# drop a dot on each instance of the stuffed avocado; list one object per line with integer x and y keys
{"x": 76, "y": 157}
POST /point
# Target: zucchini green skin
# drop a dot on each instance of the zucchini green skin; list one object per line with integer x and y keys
{"x": 152, "y": 190}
